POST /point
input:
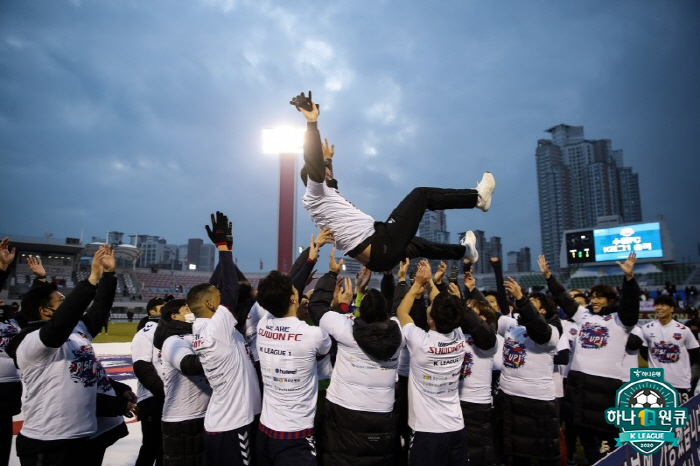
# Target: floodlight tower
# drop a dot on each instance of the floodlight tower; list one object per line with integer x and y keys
{"x": 287, "y": 142}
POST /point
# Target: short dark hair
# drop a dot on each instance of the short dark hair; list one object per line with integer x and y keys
{"x": 373, "y": 307}
{"x": 198, "y": 294}
{"x": 546, "y": 302}
{"x": 580, "y": 295}
{"x": 605, "y": 291}
{"x": 274, "y": 292}
{"x": 37, "y": 297}
{"x": 171, "y": 307}
{"x": 664, "y": 299}
{"x": 447, "y": 312}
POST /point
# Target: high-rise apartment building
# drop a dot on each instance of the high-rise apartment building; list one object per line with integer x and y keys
{"x": 433, "y": 227}
{"x": 579, "y": 180}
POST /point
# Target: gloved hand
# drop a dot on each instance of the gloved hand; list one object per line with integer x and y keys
{"x": 301, "y": 102}
{"x": 220, "y": 232}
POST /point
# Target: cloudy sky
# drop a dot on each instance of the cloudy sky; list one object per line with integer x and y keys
{"x": 144, "y": 117}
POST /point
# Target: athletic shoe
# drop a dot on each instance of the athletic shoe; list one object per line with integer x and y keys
{"x": 469, "y": 242}
{"x": 485, "y": 188}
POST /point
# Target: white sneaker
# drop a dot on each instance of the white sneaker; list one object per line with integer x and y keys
{"x": 469, "y": 241}
{"x": 485, "y": 188}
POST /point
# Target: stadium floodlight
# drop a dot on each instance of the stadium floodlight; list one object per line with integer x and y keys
{"x": 287, "y": 141}
{"x": 283, "y": 140}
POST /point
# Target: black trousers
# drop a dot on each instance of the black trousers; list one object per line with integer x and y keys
{"x": 438, "y": 449}
{"x": 477, "y": 425}
{"x": 150, "y": 412}
{"x": 10, "y": 404}
{"x": 231, "y": 447}
{"x": 33, "y": 452}
{"x": 394, "y": 240}
{"x": 183, "y": 443}
{"x": 279, "y": 452}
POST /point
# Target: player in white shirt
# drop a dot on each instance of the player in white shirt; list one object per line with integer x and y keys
{"x": 187, "y": 390}
{"x": 671, "y": 346}
{"x": 475, "y": 378}
{"x": 59, "y": 368}
{"x": 434, "y": 413}
{"x": 530, "y": 409}
{"x": 381, "y": 246}
{"x": 359, "y": 425}
{"x": 604, "y": 329}
{"x": 232, "y": 412}
{"x": 149, "y": 388}
{"x": 288, "y": 349}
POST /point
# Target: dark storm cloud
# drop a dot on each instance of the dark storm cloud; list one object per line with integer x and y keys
{"x": 146, "y": 116}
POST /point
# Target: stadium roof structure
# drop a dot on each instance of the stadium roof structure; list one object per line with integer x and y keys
{"x": 123, "y": 251}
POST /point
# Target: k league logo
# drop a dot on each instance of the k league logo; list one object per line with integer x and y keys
{"x": 647, "y": 411}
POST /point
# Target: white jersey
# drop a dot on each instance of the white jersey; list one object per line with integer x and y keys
{"x": 251, "y": 328}
{"x": 288, "y": 348}
{"x": 227, "y": 363}
{"x": 631, "y": 358}
{"x": 329, "y": 209}
{"x": 527, "y": 366}
{"x": 476, "y": 373}
{"x": 142, "y": 349}
{"x": 359, "y": 382}
{"x": 59, "y": 387}
{"x": 668, "y": 349}
{"x": 600, "y": 338}
{"x": 186, "y": 397}
{"x": 433, "y": 381}
{"x": 8, "y": 371}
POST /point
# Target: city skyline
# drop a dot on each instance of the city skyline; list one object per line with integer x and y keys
{"x": 142, "y": 118}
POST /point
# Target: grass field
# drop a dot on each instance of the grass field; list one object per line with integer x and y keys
{"x": 119, "y": 332}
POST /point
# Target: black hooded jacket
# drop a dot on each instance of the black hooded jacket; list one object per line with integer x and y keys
{"x": 379, "y": 340}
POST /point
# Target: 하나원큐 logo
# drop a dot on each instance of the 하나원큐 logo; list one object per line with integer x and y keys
{"x": 647, "y": 411}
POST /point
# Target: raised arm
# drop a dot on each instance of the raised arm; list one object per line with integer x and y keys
{"x": 423, "y": 276}
{"x": 501, "y": 297}
{"x": 57, "y": 330}
{"x": 321, "y": 298}
{"x": 7, "y": 255}
{"x": 98, "y": 312}
{"x": 226, "y": 280}
{"x": 538, "y": 329}
{"x": 301, "y": 277}
{"x": 629, "y": 298}
{"x": 387, "y": 287}
{"x": 557, "y": 290}
{"x": 313, "y": 151}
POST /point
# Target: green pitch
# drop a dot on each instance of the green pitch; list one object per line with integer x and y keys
{"x": 118, "y": 332}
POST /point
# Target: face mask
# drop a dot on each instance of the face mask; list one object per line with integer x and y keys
{"x": 189, "y": 318}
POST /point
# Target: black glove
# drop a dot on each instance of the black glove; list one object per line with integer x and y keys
{"x": 301, "y": 101}
{"x": 220, "y": 232}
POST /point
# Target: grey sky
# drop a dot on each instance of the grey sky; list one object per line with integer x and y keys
{"x": 146, "y": 116}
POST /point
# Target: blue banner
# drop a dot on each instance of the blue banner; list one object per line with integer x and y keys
{"x": 687, "y": 453}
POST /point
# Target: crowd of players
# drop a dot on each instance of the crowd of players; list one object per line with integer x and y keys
{"x": 422, "y": 371}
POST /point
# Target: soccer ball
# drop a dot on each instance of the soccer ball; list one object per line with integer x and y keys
{"x": 647, "y": 398}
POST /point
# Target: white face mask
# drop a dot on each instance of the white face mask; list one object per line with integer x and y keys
{"x": 189, "y": 318}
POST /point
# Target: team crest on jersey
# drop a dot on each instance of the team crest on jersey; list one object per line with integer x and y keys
{"x": 677, "y": 336}
{"x": 6, "y": 333}
{"x": 666, "y": 352}
{"x": 83, "y": 367}
{"x": 466, "y": 365}
{"x": 103, "y": 384}
{"x": 514, "y": 353}
{"x": 593, "y": 336}
{"x": 470, "y": 340}
{"x": 608, "y": 317}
